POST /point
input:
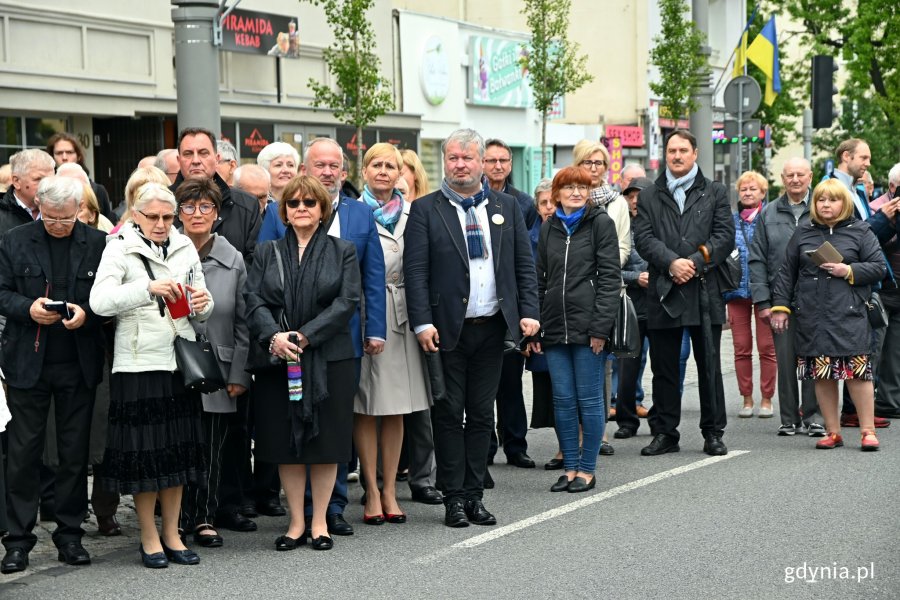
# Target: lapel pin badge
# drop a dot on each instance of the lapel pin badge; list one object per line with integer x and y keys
{"x": 497, "y": 219}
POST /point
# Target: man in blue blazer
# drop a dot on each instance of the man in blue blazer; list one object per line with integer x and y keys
{"x": 470, "y": 279}
{"x": 354, "y": 222}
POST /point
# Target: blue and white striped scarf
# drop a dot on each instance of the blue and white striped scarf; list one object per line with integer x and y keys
{"x": 474, "y": 234}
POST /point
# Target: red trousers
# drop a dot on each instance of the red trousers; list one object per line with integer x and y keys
{"x": 739, "y": 312}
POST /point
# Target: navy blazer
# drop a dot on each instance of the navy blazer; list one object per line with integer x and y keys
{"x": 357, "y": 224}
{"x": 25, "y": 269}
{"x": 436, "y": 265}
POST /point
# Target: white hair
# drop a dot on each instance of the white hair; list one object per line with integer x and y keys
{"x": 149, "y": 192}
{"x": 56, "y": 192}
{"x": 226, "y": 150}
{"x": 250, "y": 169}
{"x": 277, "y": 150}
{"x": 894, "y": 174}
{"x": 31, "y": 158}
{"x": 464, "y": 137}
{"x": 73, "y": 170}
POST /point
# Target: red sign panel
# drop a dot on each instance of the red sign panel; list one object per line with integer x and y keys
{"x": 631, "y": 136}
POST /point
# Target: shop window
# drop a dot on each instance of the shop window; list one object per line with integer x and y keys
{"x": 10, "y": 131}
{"x": 39, "y": 131}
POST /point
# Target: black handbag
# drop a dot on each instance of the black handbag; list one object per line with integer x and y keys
{"x": 878, "y": 317}
{"x": 728, "y": 274}
{"x": 625, "y": 337}
{"x": 260, "y": 357}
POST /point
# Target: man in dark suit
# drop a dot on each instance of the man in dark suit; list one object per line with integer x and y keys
{"x": 470, "y": 280}
{"x": 49, "y": 355}
{"x": 352, "y": 221}
{"x": 512, "y": 422}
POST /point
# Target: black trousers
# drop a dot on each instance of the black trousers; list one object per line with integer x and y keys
{"x": 665, "y": 415}
{"x": 73, "y": 403}
{"x": 199, "y": 503}
{"x": 462, "y": 422}
{"x": 512, "y": 422}
{"x": 626, "y": 395}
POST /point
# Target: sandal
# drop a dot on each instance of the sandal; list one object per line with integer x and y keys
{"x": 207, "y": 537}
{"x": 869, "y": 441}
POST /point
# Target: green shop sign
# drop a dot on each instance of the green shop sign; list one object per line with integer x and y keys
{"x": 497, "y": 79}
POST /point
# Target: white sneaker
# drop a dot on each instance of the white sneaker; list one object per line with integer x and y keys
{"x": 746, "y": 412}
{"x": 787, "y": 429}
{"x": 353, "y": 475}
{"x": 816, "y": 430}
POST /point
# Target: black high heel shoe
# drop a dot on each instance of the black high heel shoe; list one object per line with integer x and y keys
{"x": 284, "y": 543}
{"x": 157, "y": 560}
{"x": 181, "y": 557}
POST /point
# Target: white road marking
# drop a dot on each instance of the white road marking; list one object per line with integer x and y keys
{"x": 500, "y": 532}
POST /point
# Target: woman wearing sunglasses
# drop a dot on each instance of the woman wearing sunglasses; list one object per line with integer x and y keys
{"x": 154, "y": 444}
{"x": 301, "y": 292}
{"x": 199, "y": 201}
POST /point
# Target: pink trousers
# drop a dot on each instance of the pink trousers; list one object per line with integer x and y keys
{"x": 739, "y": 312}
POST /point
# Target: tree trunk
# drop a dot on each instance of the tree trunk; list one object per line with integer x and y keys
{"x": 544, "y": 144}
{"x": 359, "y": 155}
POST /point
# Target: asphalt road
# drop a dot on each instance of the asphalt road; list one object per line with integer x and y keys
{"x": 773, "y": 519}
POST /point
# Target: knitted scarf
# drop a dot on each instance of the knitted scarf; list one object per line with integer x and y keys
{"x": 474, "y": 234}
{"x": 386, "y": 213}
{"x": 570, "y": 222}
{"x": 678, "y": 186}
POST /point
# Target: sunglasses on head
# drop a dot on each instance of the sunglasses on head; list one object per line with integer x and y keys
{"x": 307, "y": 202}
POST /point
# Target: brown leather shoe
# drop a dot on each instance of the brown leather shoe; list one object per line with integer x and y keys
{"x": 108, "y": 526}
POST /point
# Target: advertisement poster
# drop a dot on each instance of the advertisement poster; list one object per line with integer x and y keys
{"x": 261, "y": 33}
{"x": 497, "y": 79}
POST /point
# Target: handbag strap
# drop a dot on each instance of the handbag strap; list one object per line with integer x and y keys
{"x": 159, "y": 301}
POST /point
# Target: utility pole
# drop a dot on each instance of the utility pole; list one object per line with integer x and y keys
{"x": 197, "y": 64}
{"x": 701, "y": 119}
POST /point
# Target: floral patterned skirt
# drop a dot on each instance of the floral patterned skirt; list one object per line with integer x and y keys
{"x": 834, "y": 367}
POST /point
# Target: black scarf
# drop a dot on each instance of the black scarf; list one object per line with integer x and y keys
{"x": 301, "y": 290}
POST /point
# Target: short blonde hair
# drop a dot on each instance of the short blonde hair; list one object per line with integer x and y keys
{"x": 383, "y": 150}
{"x": 140, "y": 177}
{"x": 834, "y": 189}
{"x": 585, "y": 148}
{"x": 758, "y": 179}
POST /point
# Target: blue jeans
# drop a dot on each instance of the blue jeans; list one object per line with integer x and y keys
{"x": 682, "y": 360}
{"x": 576, "y": 374}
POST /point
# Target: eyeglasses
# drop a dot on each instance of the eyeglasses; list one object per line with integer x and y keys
{"x": 53, "y": 221}
{"x": 497, "y": 161}
{"x": 169, "y": 218}
{"x": 205, "y": 208}
{"x": 307, "y": 202}
{"x": 572, "y": 187}
{"x": 593, "y": 163}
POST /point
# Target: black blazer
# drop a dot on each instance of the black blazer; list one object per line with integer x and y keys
{"x": 25, "y": 269}
{"x": 436, "y": 265}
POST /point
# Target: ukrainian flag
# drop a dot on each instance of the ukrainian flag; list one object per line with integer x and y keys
{"x": 740, "y": 58}
{"x": 763, "y": 52}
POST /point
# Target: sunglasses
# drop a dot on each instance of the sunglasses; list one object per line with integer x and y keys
{"x": 307, "y": 202}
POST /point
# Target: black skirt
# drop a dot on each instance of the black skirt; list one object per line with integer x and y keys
{"x": 273, "y": 423}
{"x": 155, "y": 439}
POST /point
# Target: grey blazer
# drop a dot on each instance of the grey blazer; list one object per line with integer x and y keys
{"x": 226, "y": 328}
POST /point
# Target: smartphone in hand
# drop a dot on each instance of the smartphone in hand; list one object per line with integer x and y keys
{"x": 59, "y": 306}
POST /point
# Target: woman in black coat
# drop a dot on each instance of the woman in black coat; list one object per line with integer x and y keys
{"x": 298, "y": 310}
{"x": 578, "y": 282}
{"x": 827, "y": 305}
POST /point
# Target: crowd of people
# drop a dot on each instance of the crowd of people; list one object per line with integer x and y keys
{"x": 384, "y": 337}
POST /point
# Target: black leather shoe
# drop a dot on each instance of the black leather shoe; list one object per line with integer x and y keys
{"x": 181, "y": 557}
{"x": 204, "y": 535}
{"x": 521, "y": 460}
{"x": 455, "y": 515}
{"x": 323, "y": 542}
{"x": 623, "y": 433}
{"x": 488, "y": 480}
{"x": 16, "y": 559}
{"x": 478, "y": 514}
{"x": 580, "y": 485}
{"x": 108, "y": 526}
{"x": 427, "y": 495}
{"x": 284, "y": 543}
{"x": 660, "y": 444}
{"x": 271, "y": 508}
{"x": 157, "y": 560}
{"x": 337, "y": 525}
{"x": 561, "y": 485}
{"x": 73, "y": 553}
{"x": 714, "y": 446}
{"x": 606, "y": 449}
{"x": 249, "y": 510}
{"x": 553, "y": 464}
{"x": 235, "y": 521}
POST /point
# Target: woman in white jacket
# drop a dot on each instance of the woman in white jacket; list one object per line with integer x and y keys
{"x": 154, "y": 441}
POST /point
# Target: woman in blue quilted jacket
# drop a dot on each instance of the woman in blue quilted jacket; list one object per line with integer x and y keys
{"x": 752, "y": 189}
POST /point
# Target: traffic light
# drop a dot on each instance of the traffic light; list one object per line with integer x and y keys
{"x": 823, "y": 90}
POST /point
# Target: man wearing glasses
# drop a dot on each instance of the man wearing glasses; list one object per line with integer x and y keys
{"x": 512, "y": 422}
{"x": 52, "y": 349}
{"x": 239, "y": 218}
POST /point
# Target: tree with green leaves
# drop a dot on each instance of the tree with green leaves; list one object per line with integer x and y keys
{"x": 360, "y": 94}
{"x": 554, "y": 66}
{"x": 863, "y": 37}
{"x": 677, "y": 54}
